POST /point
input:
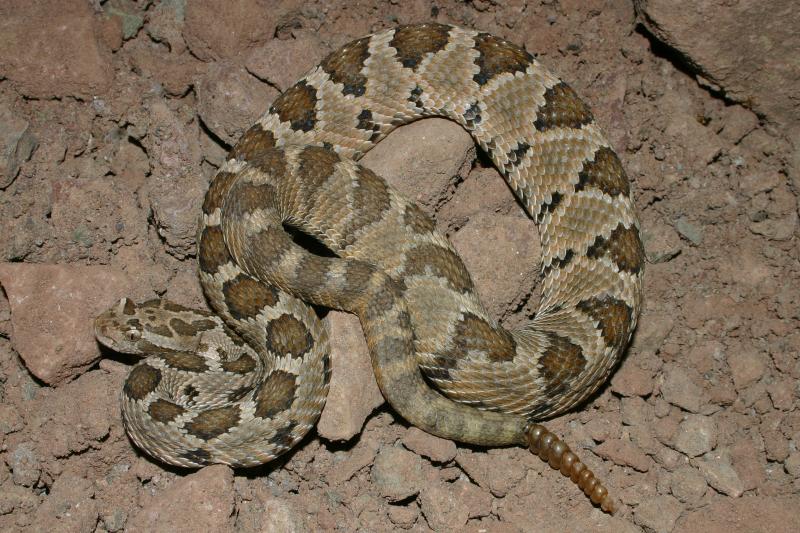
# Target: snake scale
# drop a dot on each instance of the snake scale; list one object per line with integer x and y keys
{"x": 244, "y": 384}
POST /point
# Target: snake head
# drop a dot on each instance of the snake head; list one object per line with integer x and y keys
{"x": 119, "y": 328}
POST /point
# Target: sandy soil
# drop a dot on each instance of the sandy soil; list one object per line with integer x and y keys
{"x": 114, "y": 115}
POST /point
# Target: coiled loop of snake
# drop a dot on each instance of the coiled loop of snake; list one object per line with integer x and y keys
{"x": 412, "y": 293}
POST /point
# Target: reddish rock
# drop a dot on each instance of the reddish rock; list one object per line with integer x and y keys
{"x": 719, "y": 472}
{"x": 434, "y": 448}
{"x": 353, "y": 393}
{"x": 502, "y": 252}
{"x": 679, "y": 388}
{"x": 229, "y": 100}
{"x": 210, "y": 491}
{"x": 397, "y": 473}
{"x": 659, "y": 514}
{"x": 70, "y": 505}
{"x": 282, "y": 63}
{"x": 237, "y": 26}
{"x": 52, "y": 313}
{"x": 747, "y": 365}
{"x": 632, "y": 380}
{"x": 624, "y": 453}
{"x": 50, "y": 49}
{"x": 17, "y": 143}
{"x": 438, "y": 149}
{"x": 732, "y": 58}
{"x": 755, "y": 513}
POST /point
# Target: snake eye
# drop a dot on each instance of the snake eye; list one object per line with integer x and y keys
{"x": 133, "y": 335}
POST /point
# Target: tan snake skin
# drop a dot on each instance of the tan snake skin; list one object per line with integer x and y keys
{"x": 246, "y": 387}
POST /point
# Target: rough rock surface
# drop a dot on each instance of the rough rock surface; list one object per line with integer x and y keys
{"x": 132, "y": 105}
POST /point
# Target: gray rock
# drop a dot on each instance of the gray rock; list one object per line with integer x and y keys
{"x": 719, "y": 472}
{"x": 688, "y": 484}
{"x": 696, "y": 435}
{"x": 210, "y": 491}
{"x": 24, "y": 464}
{"x": 689, "y": 231}
{"x": 661, "y": 243}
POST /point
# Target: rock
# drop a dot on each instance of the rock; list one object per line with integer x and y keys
{"x": 17, "y": 143}
{"x": 24, "y": 464}
{"x": 747, "y": 365}
{"x": 696, "y": 435}
{"x": 434, "y": 448}
{"x": 282, "y": 63}
{"x": 353, "y": 393}
{"x": 14, "y": 497}
{"x": 447, "y": 508}
{"x": 792, "y": 464}
{"x": 632, "y": 380}
{"x": 10, "y": 421}
{"x": 494, "y": 471}
{"x": 624, "y": 453}
{"x": 658, "y": 514}
{"x": 71, "y": 431}
{"x": 689, "y": 231}
{"x": 403, "y": 516}
{"x": 70, "y": 506}
{"x": 60, "y": 301}
{"x": 229, "y": 100}
{"x": 175, "y": 214}
{"x": 210, "y": 491}
{"x": 719, "y": 473}
{"x": 688, "y": 485}
{"x": 483, "y": 191}
{"x": 422, "y": 160}
{"x": 651, "y": 332}
{"x": 781, "y": 392}
{"x": 748, "y": 463}
{"x": 756, "y": 513}
{"x": 776, "y": 229}
{"x": 236, "y": 26}
{"x": 502, "y": 252}
{"x": 678, "y": 388}
{"x": 280, "y": 515}
{"x": 731, "y": 59}
{"x": 50, "y": 49}
{"x": 397, "y": 473}
{"x": 661, "y": 243}
{"x": 360, "y": 457}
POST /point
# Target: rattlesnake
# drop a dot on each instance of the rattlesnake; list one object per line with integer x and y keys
{"x": 246, "y": 384}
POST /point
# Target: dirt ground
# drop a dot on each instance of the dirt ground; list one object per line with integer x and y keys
{"x": 114, "y": 115}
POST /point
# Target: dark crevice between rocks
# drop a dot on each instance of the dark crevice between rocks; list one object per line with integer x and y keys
{"x": 683, "y": 64}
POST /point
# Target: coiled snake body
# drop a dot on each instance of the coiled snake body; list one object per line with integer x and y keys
{"x": 245, "y": 384}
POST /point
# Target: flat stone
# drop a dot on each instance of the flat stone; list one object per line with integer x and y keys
{"x": 719, "y": 472}
{"x": 210, "y": 491}
{"x": 50, "y": 49}
{"x": 659, "y": 514}
{"x": 696, "y": 435}
{"x": 678, "y": 388}
{"x": 754, "y": 513}
{"x": 282, "y": 63}
{"x": 52, "y": 314}
{"x": 353, "y": 393}
{"x": 624, "y": 453}
{"x": 434, "y": 448}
